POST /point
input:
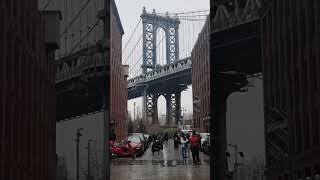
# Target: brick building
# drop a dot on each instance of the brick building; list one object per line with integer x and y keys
{"x": 27, "y": 93}
{"x": 118, "y": 76}
{"x": 291, "y": 63}
{"x": 201, "y": 79}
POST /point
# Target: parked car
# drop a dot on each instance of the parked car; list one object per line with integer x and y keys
{"x": 186, "y": 131}
{"x": 137, "y": 144}
{"x": 124, "y": 149}
{"x": 143, "y": 138}
{"x": 205, "y": 146}
{"x": 203, "y": 137}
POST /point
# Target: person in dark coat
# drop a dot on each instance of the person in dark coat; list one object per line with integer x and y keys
{"x": 176, "y": 140}
{"x": 166, "y": 136}
{"x": 112, "y": 135}
{"x": 195, "y": 147}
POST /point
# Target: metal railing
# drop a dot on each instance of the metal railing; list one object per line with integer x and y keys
{"x": 87, "y": 62}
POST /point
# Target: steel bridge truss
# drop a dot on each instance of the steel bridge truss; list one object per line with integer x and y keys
{"x": 151, "y": 23}
{"x": 173, "y": 105}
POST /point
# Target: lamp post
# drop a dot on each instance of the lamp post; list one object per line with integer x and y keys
{"x": 88, "y": 176}
{"x": 236, "y": 159}
{"x": 134, "y": 111}
{"x": 78, "y": 142}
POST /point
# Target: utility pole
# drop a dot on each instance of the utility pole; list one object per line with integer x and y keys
{"x": 88, "y": 175}
{"x": 236, "y": 162}
{"x": 78, "y": 142}
{"x": 137, "y": 112}
{"x": 134, "y": 111}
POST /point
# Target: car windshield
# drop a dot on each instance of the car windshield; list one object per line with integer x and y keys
{"x": 134, "y": 139}
{"x": 139, "y": 135}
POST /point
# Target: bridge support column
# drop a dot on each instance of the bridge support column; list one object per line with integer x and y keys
{"x": 150, "y": 107}
{"x": 169, "y": 109}
{"x": 219, "y": 131}
{"x": 178, "y": 107}
{"x": 144, "y": 105}
{"x": 224, "y": 85}
{"x": 154, "y": 115}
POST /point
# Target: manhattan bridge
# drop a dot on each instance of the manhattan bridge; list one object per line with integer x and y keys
{"x": 159, "y": 59}
{"x": 156, "y": 65}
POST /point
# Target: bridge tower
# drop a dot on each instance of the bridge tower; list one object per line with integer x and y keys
{"x": 151, "y": 23}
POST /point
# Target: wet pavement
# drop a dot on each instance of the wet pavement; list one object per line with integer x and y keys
{"x": 168, "y": 165}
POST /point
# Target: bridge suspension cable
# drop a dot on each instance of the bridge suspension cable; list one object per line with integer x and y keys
{"x": 136, "y": 63}
{"x": 188, "y": 19}
{"x": 136, "y": 45}
{"x": 75, "y": 18}
{"x": 46, "y": 5}
{"x": 188, "y": 12}
{"x": 85, "y": 36}
{"x": 131, "y": 35}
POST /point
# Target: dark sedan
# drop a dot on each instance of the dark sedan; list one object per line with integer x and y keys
{"x": 205, "y": 146}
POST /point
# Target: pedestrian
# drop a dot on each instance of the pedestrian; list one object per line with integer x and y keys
{"x": 166, "y": 136}
{"x": 154, "y": 137}
{"x": 112, "y": 136}
{"x": 149, "y": 139}
{"x": 176, "y": 140}
{"x": 195, "y": 147}
{"x": 184, "y": 146}
{"x": 156, "y": 146}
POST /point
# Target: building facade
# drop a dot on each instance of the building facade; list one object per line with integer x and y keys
{"x": 118, "y": 77}
{"x": 27, "y": 95}
{"x": 80, "y": 28}
{"x": 290, "y": 52}
{"x": 201, "y": 80}
{"x": 92, "y": 134}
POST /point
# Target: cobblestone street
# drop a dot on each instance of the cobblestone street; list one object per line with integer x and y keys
{"x": 168, "y": 165}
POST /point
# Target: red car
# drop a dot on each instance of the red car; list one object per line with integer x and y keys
{"x": 137, "y": 144}
{"x": 123, "y": 150}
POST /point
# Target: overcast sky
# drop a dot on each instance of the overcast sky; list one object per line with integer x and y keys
{"x": 245, "y": 110}
{"x": 130, "y": 11}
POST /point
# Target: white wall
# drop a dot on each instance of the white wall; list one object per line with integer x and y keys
{"x": 66, "y": 144}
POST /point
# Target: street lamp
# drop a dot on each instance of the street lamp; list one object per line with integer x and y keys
{"x": 235, "y": 159}
{"x": 88, "y": 176}
{"x": 134, "y": 111}
{"x": 78, "y": 141}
